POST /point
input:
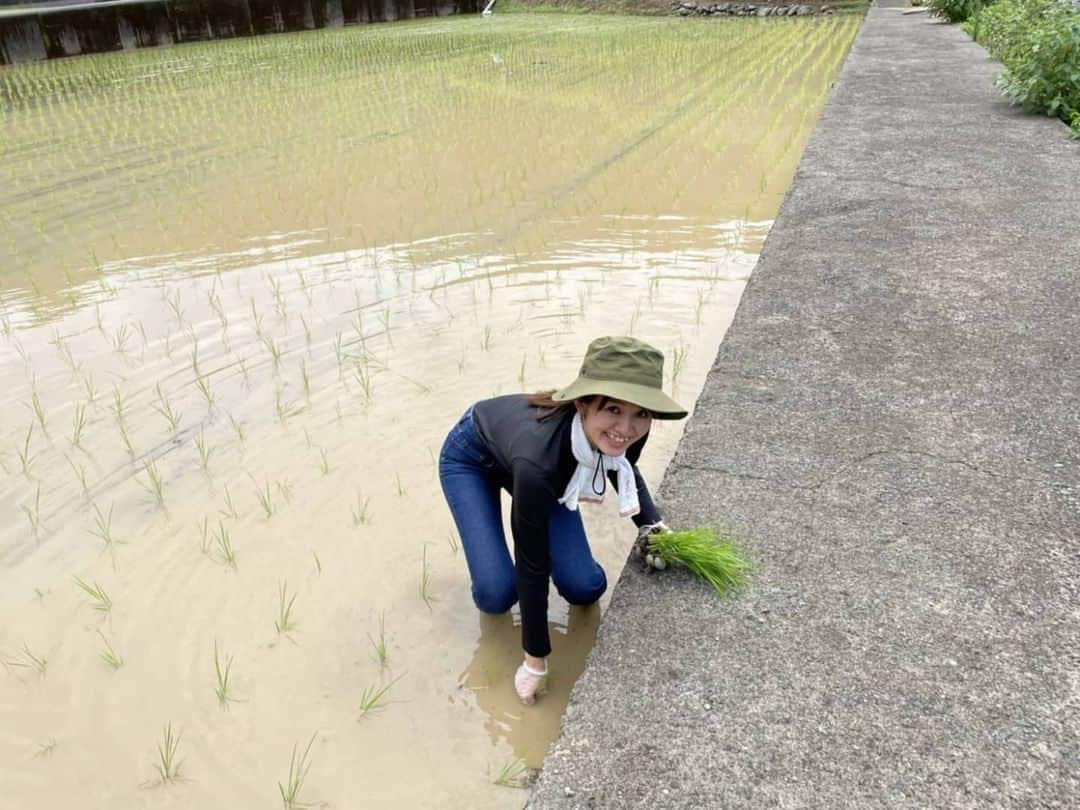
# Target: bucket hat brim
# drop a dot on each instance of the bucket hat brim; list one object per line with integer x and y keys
{"x": 651, "y": 399}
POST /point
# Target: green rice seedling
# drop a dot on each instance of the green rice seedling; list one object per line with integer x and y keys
{"x": 80, "y": 473}
{"x": 222, "y": 673}
{"x": 99, "y": 599}
{"x": 485, "y": 344}
{"x": 425, "y": 578}
{"x": 109, "y": 654}
{"x": 318, "y": 562}
{"x": 284, "y": 622}
{"x": 103, "y": 526}
{"x": 177, "y": 309}
{"x": 298, "y": 771}
{"x": 78, "y": 424}
{"x": 275, "y": 351}
{"x": 521, "y": 371}
{"x": 256, "y": 319}
{"x": 373, "y": 697}
{"x": 339, "y": 355}
{"x": 360, "y": 514}
{"x": 156, "y": 484}
{"x": 401, "y": 490}
{"x": 38, "y": 663}
{"x": 230, "y": 510}
{"x": 204, "y": 533}
{"x": 204, "y": 451}
{"x": 194, "y": 355}
{"x": 97, "y": 317}
{"x": 168, "y": 766}
{"x": 700, "y": 307}
{"x": 363, "y": 376}
{"x": 164, "y": 407}
{"x": 224, "y": 546}
{"x": 237, "y": 428}
{"x": 512, "y": 773}
{"x": 307, "y": 330}
{"x": 119, "y": 405}
{"x": 26, "y": 458}
{"x": 307, "y": 437}
{"x": 36, "y": 406}
{"x": 678, "y": 357}
{"x": 451, "y": 538}
{"x": 33, "y": 512}
{"x": 203, "y": 384}
{"x": 129, "y": 448}
{"x": 710, "y": 554}
{"x": 324, "y": 462}
{"x": 304, "y": 381}
{"x": 379, "y": 645}
{"x": 120, "y": 339}
{"x": 88, "y": 386}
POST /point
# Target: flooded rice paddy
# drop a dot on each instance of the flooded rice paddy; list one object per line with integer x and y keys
{"x": 245, "y": 290}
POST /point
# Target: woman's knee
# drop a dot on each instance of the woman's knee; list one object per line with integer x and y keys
{"x": 584, "y": 590}
{"x": 494, "y": 597}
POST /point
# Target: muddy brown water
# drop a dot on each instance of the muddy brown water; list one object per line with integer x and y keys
{"x": 266, "y": 276}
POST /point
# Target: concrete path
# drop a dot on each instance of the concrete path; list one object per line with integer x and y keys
{"x": 893, "y": 425}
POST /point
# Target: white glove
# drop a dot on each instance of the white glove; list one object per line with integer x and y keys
{"x": 528, "y": 683}
{"x": 641, "y": 545}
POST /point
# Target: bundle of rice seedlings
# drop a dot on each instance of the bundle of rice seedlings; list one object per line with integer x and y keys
{"x": 710, "y": 554}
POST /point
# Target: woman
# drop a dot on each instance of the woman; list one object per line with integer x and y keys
{"x": 550, "y": 451}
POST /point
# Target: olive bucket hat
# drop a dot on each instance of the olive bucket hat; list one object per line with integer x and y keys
{"x": 624, "y": 368}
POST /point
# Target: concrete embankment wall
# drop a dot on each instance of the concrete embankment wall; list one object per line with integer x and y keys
{"x": 54, "y": 30}
{"x": 892, "y": 425}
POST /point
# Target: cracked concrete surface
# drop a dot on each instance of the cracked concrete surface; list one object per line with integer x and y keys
{"x": 892, "y": 424}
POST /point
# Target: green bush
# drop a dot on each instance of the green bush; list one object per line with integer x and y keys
{"x": 1038, "y": 41}
{"x": 954, "y": 11}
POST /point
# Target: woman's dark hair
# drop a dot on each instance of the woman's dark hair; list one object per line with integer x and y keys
{"x": 546, "y": 407}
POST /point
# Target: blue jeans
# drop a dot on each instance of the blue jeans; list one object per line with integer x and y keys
{"x": 467, "y": 473}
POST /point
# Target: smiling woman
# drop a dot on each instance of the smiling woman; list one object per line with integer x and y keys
{"x": 551, "y": 451}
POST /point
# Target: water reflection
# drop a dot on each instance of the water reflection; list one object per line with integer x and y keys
{"x": 490, "y": 676}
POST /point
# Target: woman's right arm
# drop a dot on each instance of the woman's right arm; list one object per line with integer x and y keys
{"x": 529, "y": 508}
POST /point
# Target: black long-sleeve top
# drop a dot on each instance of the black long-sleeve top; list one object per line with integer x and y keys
{"x": 534, "y": 462}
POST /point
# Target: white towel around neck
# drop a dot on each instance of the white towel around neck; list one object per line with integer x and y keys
{"x": 581, "y": 488}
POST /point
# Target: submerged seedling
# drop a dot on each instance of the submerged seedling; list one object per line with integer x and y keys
{"x": 265, "y": 500}
{"x": 78, "y": 425}
{"x": 103, "y": 526}
{"x": 164, "y": 407}
{"x": 99, "y": 599}
{"x": 360, "y": 514}
{"x": 109, "y": 655}
{"x": 24, "y": 454}
{"x": 425, "y": 578}
{"x": 298, "y": 770}
{"x": 222, "y": 673}
{"x": 284, "y": 623}
{"x": 33, "y": 512}
{"x": 379, "y": 645}
{"x": 224, "y": 545}
{"x": 373, "y": 697}
{"x": 230, "y": 509}
{"x": 155, "y": 483}
{"x": 512, "y": 773}
{"x": 204, "y": 451}
{"x": 168, "y": 766}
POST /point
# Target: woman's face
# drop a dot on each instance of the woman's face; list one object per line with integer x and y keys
{"x": 614, "y": 426}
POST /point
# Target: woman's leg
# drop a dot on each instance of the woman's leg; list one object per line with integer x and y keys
{"x": 464, "y": 468}
{"x": 577, "y": 576}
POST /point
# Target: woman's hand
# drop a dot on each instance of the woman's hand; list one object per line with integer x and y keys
{"x": 641, "y": 545}
{"x": 530, "y": 679}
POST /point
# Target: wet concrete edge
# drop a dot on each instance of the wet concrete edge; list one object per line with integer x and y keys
{"x": 893, "y": 425}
